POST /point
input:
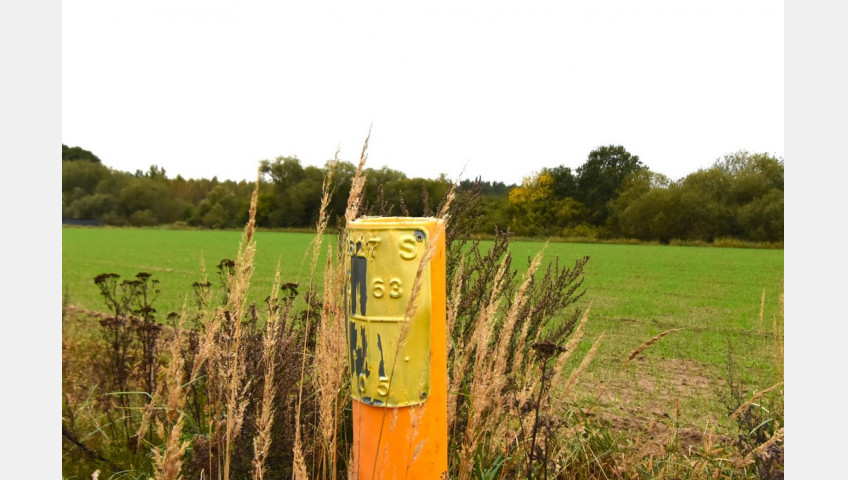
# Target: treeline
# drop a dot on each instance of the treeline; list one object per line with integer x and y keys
{"x": 612, "y": 195}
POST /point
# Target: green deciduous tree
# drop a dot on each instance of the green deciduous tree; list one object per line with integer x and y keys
{"x": 761, "y": 219}
{"x": 143, "y": 193}
{"x": 600, "y": 177}
{"x": 90, "y": 207}
{"x": 564, "y": 182}
{"x": 740, "y": 196}
{"x": 284, "y": 172}
{"x": 287, "y": 206}
{"x": 645, "y": 207}
{"x": 220, "y": 209}
{"x": 74, "y": 154}
{"x": 753, "y": 175}
{"x": 83, "y": 175}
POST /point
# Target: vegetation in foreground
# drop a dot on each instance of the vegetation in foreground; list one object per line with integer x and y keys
{"x": 236, "y": 390}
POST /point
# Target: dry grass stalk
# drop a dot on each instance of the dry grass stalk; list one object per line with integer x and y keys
{"x": 755, "y": 398}
{"x": 497, "y": 366}
{"x": 208, "y": 360}
{"x": 265, "y": 416}
{"x": 778, "y": 436}
{"x": 480, "y": 386}
{"x": 209, "y": 356}
{"x": 211, "y": 324}
{"x": 647, "y": 344}
{"x": 518, "y": 304}
{"x": 777, "y": 328}
{"x": 416, "y": 412}
{"x": 519, "y": 354}
{"x": 234, "y": 375}
{"x": 561, "y": 458}
{"x": 453, "y": 308}
{"x": 484, "y": 323}
{"x": 354, "y": 205}
{"x": 167, "y": 463}
{"x": 323, "y": 216}
{"x": 570, "y": 348}
{"x": 762, "y": 309}
{"x": 444, "y": 212}
{"x": 495, "y": 422}
{"x": 572, "y": 379}
{"x": 330, "y": 362}
{"x": 353, "y": 465}
{"x": 357, "y": 186}
{"x": 299, "y": 461}
{"x": 144, "y": 423}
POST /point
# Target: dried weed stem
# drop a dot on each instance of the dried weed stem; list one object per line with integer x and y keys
{"x": 756, "y": 397}
{"x": 647, "y": 344}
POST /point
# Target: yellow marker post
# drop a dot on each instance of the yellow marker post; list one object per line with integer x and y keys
{"x": 398, "y": 366}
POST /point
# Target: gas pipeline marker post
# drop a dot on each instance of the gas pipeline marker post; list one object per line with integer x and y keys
{"x": 398, "y": 362}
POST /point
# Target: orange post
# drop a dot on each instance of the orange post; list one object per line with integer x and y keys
{"x": 398, "y": 361}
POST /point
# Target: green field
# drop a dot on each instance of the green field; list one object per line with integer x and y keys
{"x": 176, "y": 258}
{"x": 635, "y": 292}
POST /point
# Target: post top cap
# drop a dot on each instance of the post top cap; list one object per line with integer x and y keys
{"x": 393, "y": 221}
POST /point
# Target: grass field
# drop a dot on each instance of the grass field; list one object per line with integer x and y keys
{"x": 176, "y": 258}
{"x": 713, "y": 295}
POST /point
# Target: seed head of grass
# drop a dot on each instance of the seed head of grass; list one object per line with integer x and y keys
{"x": 641, "y": 348}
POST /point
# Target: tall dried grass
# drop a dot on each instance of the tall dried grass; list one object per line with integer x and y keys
{"x": 233, "y": 368}
{"x": 777, "y": 333}
{"x": 168, "y": 461}
{"x": 265, "y": 418}
{"x": 330, "y": 348}
{"x": 509, "y": 345}
{"x": 489, "y": 367}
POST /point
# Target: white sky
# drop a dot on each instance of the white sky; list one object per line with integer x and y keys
{"x": 496, "y": 89}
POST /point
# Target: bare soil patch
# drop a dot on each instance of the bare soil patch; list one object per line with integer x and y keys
{"x": 647, "y": 401}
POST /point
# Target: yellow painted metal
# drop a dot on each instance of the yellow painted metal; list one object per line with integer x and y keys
{"x": 384, "y": 257}
{"x": 406, "y": 435}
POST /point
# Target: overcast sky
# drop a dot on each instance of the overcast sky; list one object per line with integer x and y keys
{"x": 496, "y": 89}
